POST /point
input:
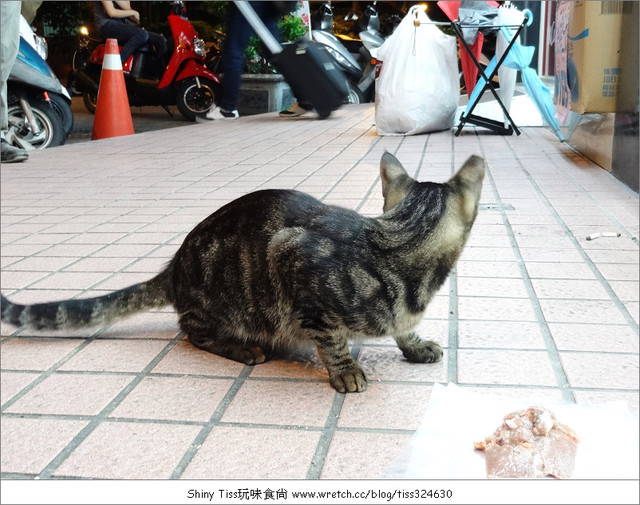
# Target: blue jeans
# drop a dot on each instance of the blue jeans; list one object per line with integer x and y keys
{"x": 132, "y": 37}
{"x": 239, "y": 32}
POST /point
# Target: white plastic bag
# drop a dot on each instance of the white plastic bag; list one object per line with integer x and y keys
{"x": 417, "y": 90}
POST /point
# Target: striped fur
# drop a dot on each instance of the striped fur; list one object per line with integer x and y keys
{"x": 276, "y": 269}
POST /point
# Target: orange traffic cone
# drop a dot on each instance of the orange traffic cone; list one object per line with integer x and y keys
{"x": 113, "y": 116}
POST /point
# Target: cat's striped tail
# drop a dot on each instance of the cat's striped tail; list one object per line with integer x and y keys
{"x": 81, "y": 313}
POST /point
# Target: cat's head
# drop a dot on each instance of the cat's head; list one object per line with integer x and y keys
{"x": 466, "y": 184}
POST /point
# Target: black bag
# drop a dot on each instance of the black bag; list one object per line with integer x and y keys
{"x": 309, "y": 70}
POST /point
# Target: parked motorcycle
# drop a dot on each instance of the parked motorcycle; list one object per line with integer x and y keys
{"x": 368, "y": 27}
{"x": 322, "y": 24}
{"x": 184, "y": 81}
{"x": 39, "y": 107}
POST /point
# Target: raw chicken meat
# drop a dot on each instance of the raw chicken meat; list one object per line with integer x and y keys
{"x": 530, "y": 443}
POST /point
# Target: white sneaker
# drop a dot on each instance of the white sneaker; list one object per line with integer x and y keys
{"x": 218, "y": 113}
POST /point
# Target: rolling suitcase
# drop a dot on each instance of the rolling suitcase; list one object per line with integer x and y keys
{"x": 309, "y": 70}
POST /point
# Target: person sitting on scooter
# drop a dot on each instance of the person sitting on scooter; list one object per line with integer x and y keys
{"x": 117, "y": 20}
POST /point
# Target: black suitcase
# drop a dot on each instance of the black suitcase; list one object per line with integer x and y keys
{"x": 309, "y": 70}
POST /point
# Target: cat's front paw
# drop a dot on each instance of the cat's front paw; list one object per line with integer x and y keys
{"x": 351, "y": 380}
{"x": 423, "y": 352}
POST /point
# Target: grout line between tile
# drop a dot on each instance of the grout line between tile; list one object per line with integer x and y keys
{"x": 212, "y": 423}
{"x": 328, "y": 192}
{"x": 590, "y": 196}
{"x": 452, "y": 343}
{"x": 46, "y": 373}
{"x": 552, "y": 351}
{"x": 53, "y": 465}
{"x": 322, "y": 449}
{"x": 587, "y": 260}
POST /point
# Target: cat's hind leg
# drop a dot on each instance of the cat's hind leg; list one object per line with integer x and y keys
{"x": 221, "y": 341}
{"x": 345, "y": 375}
{"x": 417, "y": 350}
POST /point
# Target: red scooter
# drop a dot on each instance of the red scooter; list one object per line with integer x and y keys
{"x": 184, "y": 81}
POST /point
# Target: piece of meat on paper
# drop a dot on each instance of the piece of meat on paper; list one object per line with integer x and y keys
{"x": 530, "y": 443}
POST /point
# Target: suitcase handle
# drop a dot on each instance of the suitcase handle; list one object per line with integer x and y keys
{"x": 261, "y": 30}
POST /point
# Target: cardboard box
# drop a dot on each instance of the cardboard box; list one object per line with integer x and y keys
{"x": 599, "y": 62}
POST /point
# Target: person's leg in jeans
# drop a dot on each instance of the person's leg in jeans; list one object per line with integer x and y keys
{"x": 130, "y": 37}
{"x": 238, "y": 34}
{"x": 160, "y": 45}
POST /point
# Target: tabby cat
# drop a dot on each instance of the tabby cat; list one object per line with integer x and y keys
{"x": 277, "y": 268}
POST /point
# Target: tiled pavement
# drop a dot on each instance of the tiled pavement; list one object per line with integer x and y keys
{"x": 532, "y": 308}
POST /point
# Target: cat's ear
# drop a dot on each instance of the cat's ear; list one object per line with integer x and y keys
{"x": 467, "y": 182}
{"x": 395, "y": 180}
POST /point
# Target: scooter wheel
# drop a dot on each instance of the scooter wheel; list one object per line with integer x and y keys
{"x": 51, "y": 132}
{"x": 193, "y": 100}
{"x": 63, "y": 109}
{"x": 354, "y": 95}
{"x": 90, "y": 101}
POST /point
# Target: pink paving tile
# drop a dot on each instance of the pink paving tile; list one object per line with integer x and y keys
{"x": 27, "y": 296}
{"x": 487, "y": 254}
{"x": 388, "y": 364}
{"x": 488, "y": 269}
{"x": 594, "y": 397}
{"x": 186, "y": 359}
{"x": 559, "y": 270}
{"x": 571, "y": 289}
{"x": 115, "y": 356}
{"x": 491, "y": 287}
{"x": 15, "y": 280}
{"x": 581, "y": 311}
{"x": 28, "y": 445}
{"x": 594, "y": 337}
{"x": 619, "y": 271}
{"x": 385, "y": 406}
{"x": 613, "y": 256}
{"x": 505, "y": 309}
{"x": 71, "y": 280}
{"x": 71, "y": 394}
{"x": 354, "y": 455}
{"x": 503, "y": 334}
{"x": 600, "y": 370}
{"x": 149, "y": 265}
{"x": 70, "y": 250}
{"x": 125, "y": 250}
{"x": 39, "y": 264}
{"x": 174, "y": 398}
{"x": 488, "y": 236}
{"x": 123, "y": 450}
{"x": 34, "y": 354}
{"x": 551, "y": 255}
{"x": 280, "y": 402}
{"x": 302, "y": 365}
{"x": 147, "y": 324}
{"x": 14, "y": 382}
{"x": 122, "y": 280}
{"x": 107, "y": 265}
{"x": 505, "y": 367}
{"x": 232, "y": 453}
{"x": 634, "y": 310}
{"x": 627, "y": 291}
